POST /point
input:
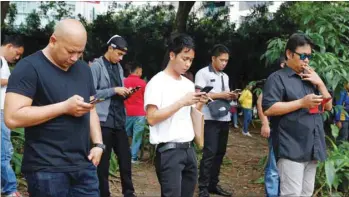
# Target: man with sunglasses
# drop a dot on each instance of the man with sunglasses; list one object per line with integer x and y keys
{"x": 108, "y": 77}
{"x": 289, "y": 98}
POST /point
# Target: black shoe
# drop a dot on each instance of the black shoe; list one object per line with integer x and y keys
{"x": 219, "y": 191}
{"x": 204, "y": 193}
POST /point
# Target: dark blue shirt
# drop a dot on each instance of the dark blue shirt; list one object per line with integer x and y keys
{"x": 61, "y": 144}
{"x": 300, "y": 135}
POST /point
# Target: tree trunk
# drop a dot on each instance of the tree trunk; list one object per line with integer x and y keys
{"x": 182, "y": 16}
{"x": 4, "y": 9}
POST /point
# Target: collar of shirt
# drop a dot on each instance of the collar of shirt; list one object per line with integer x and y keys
{"x": 290, "y": 72}
{"x": 134, "y": 76}
{"x": 211, "y": 69}
{"x": 107, "y": 62}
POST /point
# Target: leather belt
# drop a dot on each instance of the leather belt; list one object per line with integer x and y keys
{"x": 173, "y": 145}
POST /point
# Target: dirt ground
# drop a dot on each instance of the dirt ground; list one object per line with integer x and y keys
{"x": 240, "y": 168}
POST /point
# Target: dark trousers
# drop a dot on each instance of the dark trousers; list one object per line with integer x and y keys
{"x": 176, "y": 170}
{"x": 215, "y": 144}
{"x": 118, "y": 141}
{"x": 81, "y": 183}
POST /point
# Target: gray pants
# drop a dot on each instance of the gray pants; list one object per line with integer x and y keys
{"x": 296, "y": 178}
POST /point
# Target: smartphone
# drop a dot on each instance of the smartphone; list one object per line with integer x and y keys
{"x": 237, "y": 91}
{"x": 320, "y": 108}
{"x": 133, "y": 90}
{"x": 206, "y": 89}
{"x": 94, "y": 101}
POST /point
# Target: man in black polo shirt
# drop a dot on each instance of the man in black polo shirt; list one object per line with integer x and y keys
{"x": 108, "y": 78}
{"x": 48, "y": 94}
{"x": 288, "y": 97}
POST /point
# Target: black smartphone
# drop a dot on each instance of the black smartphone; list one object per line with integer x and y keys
{"x": 237, "y": 91}
{"x": 96, "y": 100}
{"x": 133, "y": 90}
{"x": 206, "y": 89}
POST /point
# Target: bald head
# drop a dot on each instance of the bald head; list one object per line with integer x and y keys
{"x": 67, "y": 43}
{"x": 70, "y": 28}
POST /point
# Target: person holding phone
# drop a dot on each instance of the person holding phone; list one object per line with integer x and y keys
{"x": 135, "y": 114}
{"x": 288, "y": 96}
{"x": 168, "y": 101}
{"x": 216, "y": 128}
{"x": 48, "y": 94}
{"x": 108, "y": 79}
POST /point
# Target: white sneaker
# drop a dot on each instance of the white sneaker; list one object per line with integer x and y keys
{"x": 247, "y": 134}
{"x": 135, "y": 161}
{"x": 15, "y": 194}
{"x": 235, "y": 126}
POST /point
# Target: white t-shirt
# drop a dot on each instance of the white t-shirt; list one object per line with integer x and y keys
{"x": 162, "y": 91}
{"x": 5, "y": 74}
{"x": 208, "y": 77}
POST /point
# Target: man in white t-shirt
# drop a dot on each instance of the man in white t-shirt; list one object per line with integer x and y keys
{"x": 11, "y": 50}
{"x": 168, "y": 100}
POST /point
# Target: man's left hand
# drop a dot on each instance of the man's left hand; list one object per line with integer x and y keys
{"x": 312, "y": 76}
{"x": 95, "y": 155}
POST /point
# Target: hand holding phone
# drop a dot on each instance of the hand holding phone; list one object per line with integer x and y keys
{"x": 206, "y": 89}
{"x": 133, "y": 90}
{"x": 95, "y": 100}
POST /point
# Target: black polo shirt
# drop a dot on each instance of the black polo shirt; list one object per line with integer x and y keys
{"x": 117, "y": 115}
{"x": 299, "y": 135}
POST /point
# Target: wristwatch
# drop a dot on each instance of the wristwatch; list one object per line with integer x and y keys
{"x": 99, "y": 145}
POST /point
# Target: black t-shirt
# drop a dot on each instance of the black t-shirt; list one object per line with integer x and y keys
{"x": 61, "y": 144}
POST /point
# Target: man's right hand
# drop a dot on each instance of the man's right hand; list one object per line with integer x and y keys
{"x": 191, "y": 98}
{"x": 265, "y": 130}
{"x": 339, "y": 124}
{"x": 311, "y": 100}
{"x": 122, "y": 91}
{"x": 227, "y": 95}
{"x": 76, "y": 106}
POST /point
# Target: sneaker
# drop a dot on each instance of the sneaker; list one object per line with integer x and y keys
{"x": 247, "y": 134}
{"x": 135, "y": 161}
{"x": 236, "y": 127}
{"x": 15, "y": 194}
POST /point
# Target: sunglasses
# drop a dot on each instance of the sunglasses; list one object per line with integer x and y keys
{"x": 303, "y": 56}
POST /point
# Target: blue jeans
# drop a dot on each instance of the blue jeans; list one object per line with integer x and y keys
{"x": 135, "y": 128}
{"x": 82, "y": 183}
{"x": 271, "y": 175}
{"x": 8, "y": 177}
{"x": 234, "y": 118}
{"x": 247, "y": 118}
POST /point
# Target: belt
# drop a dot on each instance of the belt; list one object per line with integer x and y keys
{"x": 173, "y": 145}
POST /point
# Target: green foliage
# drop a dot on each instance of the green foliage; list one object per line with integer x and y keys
{"x": 17, "y": 138}
{"x": 11, "y": 15}
{"x": 325, "y": 23}
{"x": 332, "y": 176}
{"x": 59, "y": 9}
{"x": 113, "y": 165}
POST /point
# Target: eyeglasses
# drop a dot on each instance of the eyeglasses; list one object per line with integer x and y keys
{"x": 303, "y": 56}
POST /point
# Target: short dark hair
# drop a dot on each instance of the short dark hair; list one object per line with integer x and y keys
{"x": 219, "y": 49}
{"x": 15, "y": 40}
{"x": 297, "y": 40}
{"x": 132, "y": 66}
{"x": 176, "y": 44}
{"x": 180, "y": 42}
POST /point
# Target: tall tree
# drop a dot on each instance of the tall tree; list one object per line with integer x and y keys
{"x": 182, "y": 16}
{"x": 4, "y": 9}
